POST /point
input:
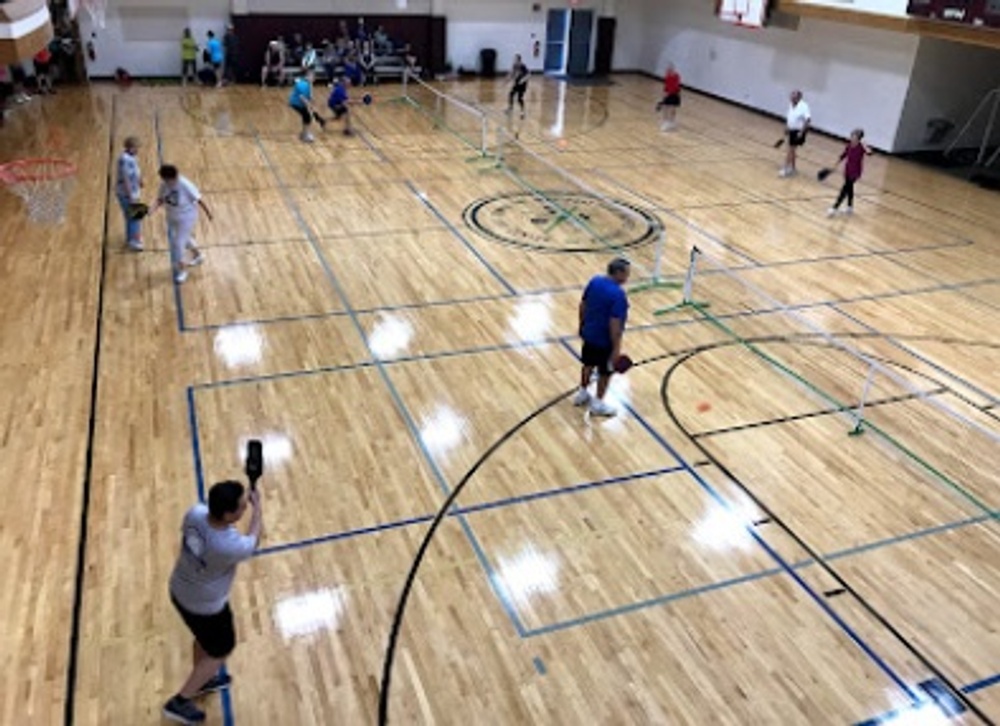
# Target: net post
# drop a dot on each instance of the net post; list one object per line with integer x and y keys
{"x": 859, "y": 412}
{"x": 484, "y": 142}
{"x": 656, "y": 281}
{"x": 687, "y": 299}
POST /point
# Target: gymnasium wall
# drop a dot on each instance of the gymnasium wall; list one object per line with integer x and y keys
{"x": 143, "y": 36}
{"x": 948, "y": 81}
{"x": 851, "y": 76}
{"x": 509, "y": 26}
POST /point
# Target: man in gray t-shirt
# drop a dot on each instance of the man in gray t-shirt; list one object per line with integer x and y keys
{"x": 211, "y": 547}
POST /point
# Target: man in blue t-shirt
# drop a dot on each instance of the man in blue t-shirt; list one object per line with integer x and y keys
{"x": 215, "y": 56}
{"x": 603, "y": 313}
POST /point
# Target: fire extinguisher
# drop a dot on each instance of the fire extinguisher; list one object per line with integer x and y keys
{"x": 538, "y": 48}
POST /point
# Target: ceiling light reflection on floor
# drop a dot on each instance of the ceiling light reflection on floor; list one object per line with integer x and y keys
{"x": 311, "y": 612}
{"x": 528, "y": 573}
{"x": 239, "y": 345}
{"x": 390, "y": 336}
{"x": 443, "y": 430}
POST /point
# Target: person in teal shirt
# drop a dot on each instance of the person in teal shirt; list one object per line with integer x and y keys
{"x": 300, "y": 101}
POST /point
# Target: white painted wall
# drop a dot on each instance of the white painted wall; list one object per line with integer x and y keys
{"x": 948, "y": 81}
{"x": 143, "y": 36}
{"x": 851, "y": 76}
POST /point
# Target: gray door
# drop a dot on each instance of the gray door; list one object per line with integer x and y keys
{"x": 581, "y": 29}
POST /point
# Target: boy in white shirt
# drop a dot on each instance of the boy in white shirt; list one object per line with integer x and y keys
{"x": 796, "y": 127}
{"x": 182, "y": 200}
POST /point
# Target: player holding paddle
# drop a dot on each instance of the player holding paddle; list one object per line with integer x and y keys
{"x": 603, "y": 313}
{"x": 853, "y": 157}
{"x": 300, "y": 101}
{"x": 127, "y": 188}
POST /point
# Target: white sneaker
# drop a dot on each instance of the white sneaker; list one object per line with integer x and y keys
{"x": 849, "y": 210}
{"x": 199, "y": 258}
{"x": 308, "y": 138}
{"x": 180, "y": 277}
{"x": 784, "y": 172}
{"x": 831, "y": 212}
{"x": 582, "y": 397}
{"x": 135, "y": 245}
{"x": 600, "y": 408}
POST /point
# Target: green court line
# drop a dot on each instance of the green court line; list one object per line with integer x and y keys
{"x": 893, "y": 441}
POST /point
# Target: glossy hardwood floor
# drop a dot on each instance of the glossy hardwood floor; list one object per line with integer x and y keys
{"x": 721, "y": 552}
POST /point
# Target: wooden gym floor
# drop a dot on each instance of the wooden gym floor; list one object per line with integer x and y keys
{"x": 722, "y": 552}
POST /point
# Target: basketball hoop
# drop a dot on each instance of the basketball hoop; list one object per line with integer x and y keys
{"x": 43, "y": 184}
{"x": 96, "y": 9}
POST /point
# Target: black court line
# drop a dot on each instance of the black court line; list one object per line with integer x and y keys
{"x": 769, "y": 513}
{"x": 814, "y": 414}
{"x": 73, "y": 665}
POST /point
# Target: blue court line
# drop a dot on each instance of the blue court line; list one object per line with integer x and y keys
{"x": 750, "y": 577}
{"x": 979, "y": 685}
{"x": 545, "y": 341}
{"x": 539, "y": 665}
{"x": 919, "y": 356}
{"x": 651, "y": 602}
{"x": 771, "y": 552}
{"x": 195, "y": 444}
{"x": 454, "y": 230}
{"x": 228, "y": 716}
{"x": 494, "y": 582}
{"x": 471, "y": 509}
{"x": 393, "y": 308}
{"x": 549, "y": 290}
{"x": 178, "y": 298}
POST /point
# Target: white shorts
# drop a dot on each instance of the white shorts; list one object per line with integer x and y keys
{"x": 180, "y": 233}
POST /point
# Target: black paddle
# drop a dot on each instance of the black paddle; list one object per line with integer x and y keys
{"x": 254, "y": 467}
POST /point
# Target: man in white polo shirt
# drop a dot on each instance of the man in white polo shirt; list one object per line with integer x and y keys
{"x": 796, "y": 127}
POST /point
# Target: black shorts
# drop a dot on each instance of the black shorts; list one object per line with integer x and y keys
{"x": 673, "y": 99}
{"x": 597, "y": 356}
{"x": 216, "y": 633}
{"x": 796, "y": 138}
{"x": 518, "y": 92}
{"x": 338, "y": 110}
{"x": 304, "y": 113}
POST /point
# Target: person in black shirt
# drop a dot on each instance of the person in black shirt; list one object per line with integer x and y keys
{"x": 519, "y": 76}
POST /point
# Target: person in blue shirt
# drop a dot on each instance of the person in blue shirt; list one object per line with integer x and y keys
{"x": 215, "y": 56}
{"x": 603, "y": 313}
{"x": 301, "y": 102}
{"x": 338, "y": 104}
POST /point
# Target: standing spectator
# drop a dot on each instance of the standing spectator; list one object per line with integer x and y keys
{"x": 18, "y": 77}
{"x": 796, "y": 127}
{"x": 43, "y": 70}
{"x": 215, "y": 56}
{"x": 273, "y": 70}
{"x": 231, "y": 52}
{"x": 200, "y": 585}
{"x": 603, "y": 313}
{"x": 853, "y": 157}
{"x": 671, "y": 98}
{"x": 189, "y": 58}
{"x": 128, "y": 188}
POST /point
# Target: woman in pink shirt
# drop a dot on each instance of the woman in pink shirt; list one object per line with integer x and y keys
{"x": 853, "y": 157}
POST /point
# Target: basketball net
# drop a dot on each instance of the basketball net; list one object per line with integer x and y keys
{"x": 43, "y": 184}
{"x": 97, "y": 10}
